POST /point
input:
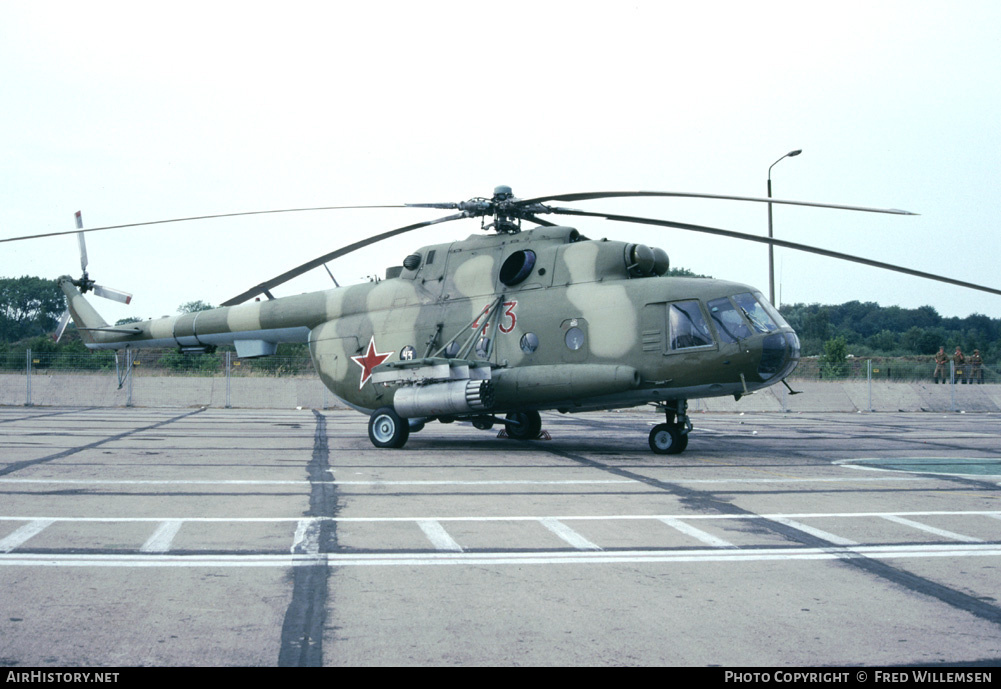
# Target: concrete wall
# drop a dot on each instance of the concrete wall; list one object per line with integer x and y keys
{"x": 853, "y": 396}
{"x": 101, "y": 390}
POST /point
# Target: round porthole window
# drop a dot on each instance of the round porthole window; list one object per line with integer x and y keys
{"x": 482, "y": 347}
{"x": 574, "y": 338}
{"x": 517, "y": 267}
{"x": 529, "y": 343}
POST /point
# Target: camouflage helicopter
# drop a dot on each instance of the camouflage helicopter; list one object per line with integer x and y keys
{"x": 495, "y": 328}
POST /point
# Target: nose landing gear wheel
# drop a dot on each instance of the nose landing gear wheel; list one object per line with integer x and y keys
{"x": 667, "y": 439}
{"x": 387, "y": 429}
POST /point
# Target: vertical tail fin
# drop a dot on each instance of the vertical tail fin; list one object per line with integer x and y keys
{"x": 84, "y": 315}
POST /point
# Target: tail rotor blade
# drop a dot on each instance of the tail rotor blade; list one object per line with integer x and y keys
{"x": 83, "y": 243}
{"x": 63, "y": 322}
{"x": 113, "y": 294}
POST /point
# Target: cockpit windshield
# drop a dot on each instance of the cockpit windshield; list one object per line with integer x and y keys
{"x": 772, "y": 311}
{"x": 729, "y": 324}
{"x": 761, "y": 319}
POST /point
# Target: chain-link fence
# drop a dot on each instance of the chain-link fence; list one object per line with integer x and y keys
{"x": 160, "y": 378}
{"x": 903, "y": 369}
{"x": 167, "y": 378}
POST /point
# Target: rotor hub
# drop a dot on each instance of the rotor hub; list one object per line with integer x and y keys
{"x": 84, "y": 284}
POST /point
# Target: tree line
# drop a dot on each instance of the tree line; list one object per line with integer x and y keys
{"x": 869, "y": 329}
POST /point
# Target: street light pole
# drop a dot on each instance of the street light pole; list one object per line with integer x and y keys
{"x": 771, "y": 249}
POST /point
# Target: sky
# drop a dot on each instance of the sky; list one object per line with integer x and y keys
{"x": 133, "y": 112}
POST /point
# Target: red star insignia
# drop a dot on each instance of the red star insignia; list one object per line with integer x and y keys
{"x": 369, "y": 360}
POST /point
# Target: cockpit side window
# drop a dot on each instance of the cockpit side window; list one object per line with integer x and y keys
{"x": 688, "y": 326}
{"x": 730, "y": 326}
{"x": 755, "y": 313}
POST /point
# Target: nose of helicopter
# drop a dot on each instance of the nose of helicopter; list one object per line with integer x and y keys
{"x": 779, "y": 355}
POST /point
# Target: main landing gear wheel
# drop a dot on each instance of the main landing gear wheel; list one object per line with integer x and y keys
{"x": 523, "y": 425}
{"x": 387, "y": 429}
{"x": 484, "y": 423}
{"x": 671, "y": 438}
{"x": 667, "y": 439}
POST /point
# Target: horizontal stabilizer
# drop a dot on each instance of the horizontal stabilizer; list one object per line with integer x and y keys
{"x": 126, "y": 331}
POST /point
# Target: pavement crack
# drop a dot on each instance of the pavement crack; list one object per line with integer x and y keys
{"x": 302, "y": 628}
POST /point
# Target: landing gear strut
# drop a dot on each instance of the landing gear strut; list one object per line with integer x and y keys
{"x": 671, "y": 438}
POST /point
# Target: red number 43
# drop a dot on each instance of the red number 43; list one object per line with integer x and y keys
{"x": 508, "y": 318}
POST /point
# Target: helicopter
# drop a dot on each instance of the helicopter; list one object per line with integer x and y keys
{"x": 496, "y": 328}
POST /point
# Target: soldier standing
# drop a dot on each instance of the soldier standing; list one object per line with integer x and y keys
{"x": 958, "y": 359}
{"x": 976, "y": 367}
{"x": 940, "y": 361}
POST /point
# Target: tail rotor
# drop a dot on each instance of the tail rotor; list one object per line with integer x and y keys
{"x": 85, "y": 284}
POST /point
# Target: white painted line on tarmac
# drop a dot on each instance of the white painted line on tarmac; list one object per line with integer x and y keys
{"x": 21, "y": 535}
{"x": 499, "y": 482}
{"x": 568, "y": 534}
{"x": 162, "y": 538}
{"x": 813, "y": 531}
{"x": 515, "y": 518}
{"x": 301, "y": 482}
{"x": 932, "y": 530}
{"x": 154, "y": 482}
{"x": 439, "y": 538}
{"x": 697, "y": 534}
{"x": 496, "y": 559}
{"x": 917, "y": 467}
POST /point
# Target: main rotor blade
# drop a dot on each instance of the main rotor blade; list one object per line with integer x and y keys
{"x": 540, "y": 221}
{"x": 196, "y": 217}
{"x": 784, "y": 244}
{"x": 264, "y": 287}
{"x": 586, "y": 196}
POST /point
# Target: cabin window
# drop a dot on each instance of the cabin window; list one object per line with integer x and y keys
{"x": 574, "y": 338}
{"x": 482, "y": 347}
{"x": 730, "y": 326}
{"x": 755, "y": 312}
{"x": 529, "y": 343}
{"x": 688, "y": 326}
